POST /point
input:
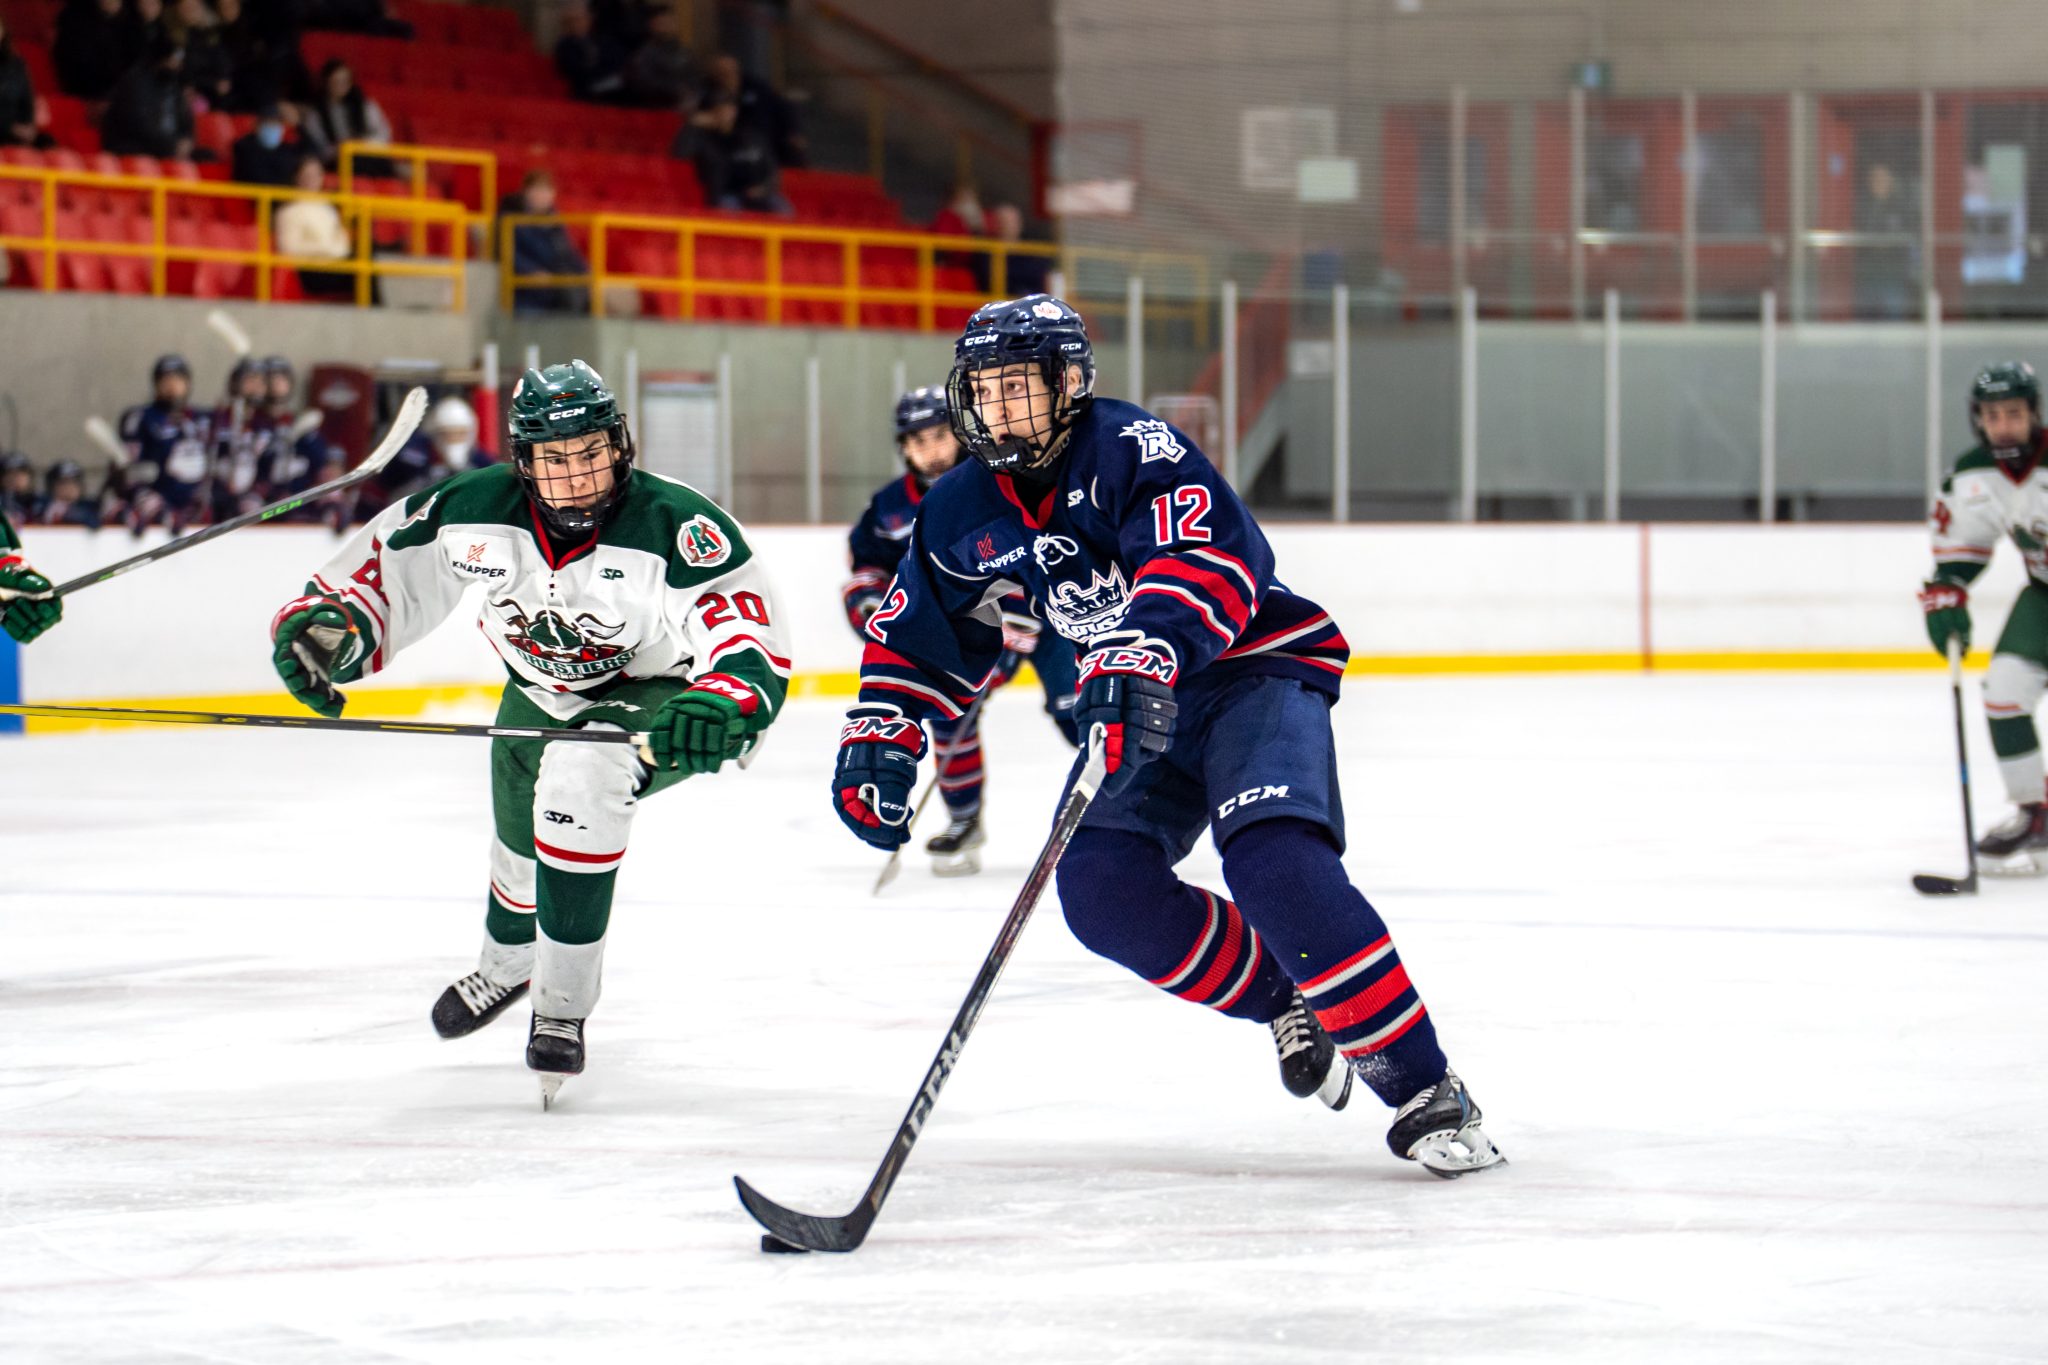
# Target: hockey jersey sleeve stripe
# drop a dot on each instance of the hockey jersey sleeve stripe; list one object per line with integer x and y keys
{"x": 1187, "y": 595}
{"x": 887, "y": 682}
{"x": 1236, "y": 605}
{"x": 1231, "y": 563}
{"x": 726, "y": 646}
{"x": 1286, "y": 636}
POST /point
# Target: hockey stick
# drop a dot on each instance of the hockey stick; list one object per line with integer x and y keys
{"x": 395, "y": 727}
{"x": 402, "y": 428}
{"x": 895, "y": 863}
{"x": 100, "y": 432}
{"x": 789, "y": 1229}
{"x": 1927, "y": 883}
{"x": 229, "y": 331}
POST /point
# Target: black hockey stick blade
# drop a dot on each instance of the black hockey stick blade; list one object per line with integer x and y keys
{"x": 1927, "y": 883}
{"x": 807, "y": 1230}
{"x": 1931, "y": 884}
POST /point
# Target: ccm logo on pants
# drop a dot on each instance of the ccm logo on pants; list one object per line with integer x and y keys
{"x": 1246, "y": 797}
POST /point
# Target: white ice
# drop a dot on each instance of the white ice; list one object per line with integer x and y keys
{"x": 1762, "y": 1102}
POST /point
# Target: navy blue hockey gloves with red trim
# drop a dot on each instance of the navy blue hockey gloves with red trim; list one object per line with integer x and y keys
{"x": 878, "y": 754}
{"x": 1129, "y": 693}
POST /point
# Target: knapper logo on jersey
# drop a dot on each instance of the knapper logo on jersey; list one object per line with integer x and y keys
{"x": 1083, "y": 611}
{"x": 1051, "y": 550}
{"x": 702, "y": 543}
{"x": 572, "y": 650}
{"x": 472, "y": 562}
{"x": 1155, "y": 441}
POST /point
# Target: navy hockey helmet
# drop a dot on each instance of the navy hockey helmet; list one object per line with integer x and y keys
{"x": 169, "y": 364}
{"x": 1037, "y": 330}
{"x": 566, "y": 401}
{"x": 60, "y": 471}
{"x": 2009, "y": 379}
{"x": 274, "y": 365}
{"x": 921, "y": 408}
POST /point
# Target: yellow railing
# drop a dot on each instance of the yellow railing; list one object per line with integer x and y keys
{"x": 362, "y": 212}
{"x": 417, "y": 159}
{"x": 929, "y": 251}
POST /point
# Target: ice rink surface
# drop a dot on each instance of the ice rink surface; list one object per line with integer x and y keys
{"x": 1762, "y": 1102}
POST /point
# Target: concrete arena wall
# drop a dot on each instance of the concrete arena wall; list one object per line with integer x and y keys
{"x": 1411, "y": 599}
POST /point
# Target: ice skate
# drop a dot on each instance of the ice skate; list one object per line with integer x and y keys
{"x": 1439, "y": 1128}
{"x": 955, "y": 851}
{"x": 2018, "y": 847}
{"x": 554, "y": 1048}
{"x": 471, "y": 1003}
{"x": 1309, "y": 1063}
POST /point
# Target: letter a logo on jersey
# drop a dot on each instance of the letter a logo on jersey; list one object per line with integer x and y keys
{"x": 702, "y": 543}
{"x": 1155, "y": 441}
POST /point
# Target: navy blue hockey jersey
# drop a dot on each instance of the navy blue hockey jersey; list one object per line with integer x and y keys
{"x": 176, "y": 441}
{"x": 1140, "y": 544}
{"x": 877, "y": 542}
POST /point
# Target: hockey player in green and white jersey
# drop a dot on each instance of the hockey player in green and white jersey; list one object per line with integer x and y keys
{"x": 616, "y": 598}
{"x": 2000, "y": 488}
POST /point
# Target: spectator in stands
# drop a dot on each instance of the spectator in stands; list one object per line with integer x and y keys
{"x": 357, "y": 16}
{"x": 735, "y": 134}
{"x": 22, "y": 115}
{"x": 1023, "y": 274}
{"x": 444, "y": 446}
{"x": 264, "y": 156}
{"x": 343, "y": 113}
{"x": 963, "y": 217}
{"x": 17, "y": 486}
{"x": 312, "y": 229}
{"x": 209, "y": 71}
{"x": 658, "y": 73}
{"x": 544, "y": 249}
{"x": 624, "y": 22}
{"x": 150, "y": 111}
{"x": 590, "y": 63}
{"x": 258, "y": 73}
{"x": 64, "y": 502}
{"x": 96, "y": 42}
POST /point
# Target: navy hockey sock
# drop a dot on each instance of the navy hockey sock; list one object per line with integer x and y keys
{"x": 1123, "y": 901}
{"x": 1287, "y": 876}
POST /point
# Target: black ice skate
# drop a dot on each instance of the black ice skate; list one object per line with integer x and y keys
{"x": 954, "y": 852}
{"x": 1439, "y": 1127}
{"x": 2019, "y": 846}
{"x": 554, "y": 1048}
{"x": 471, "y": 1003}
{"x": 1309, "y": 1063}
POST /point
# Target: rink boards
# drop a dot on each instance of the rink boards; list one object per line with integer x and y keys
{"x": 1411, "y": 599}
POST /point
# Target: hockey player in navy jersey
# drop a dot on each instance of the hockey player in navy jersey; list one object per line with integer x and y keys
{"x": 1210, "y": 683}
{"x": 168, "y": 450}
{"x": 924, "y": 438}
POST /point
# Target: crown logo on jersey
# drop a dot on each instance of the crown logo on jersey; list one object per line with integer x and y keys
{"x": 1083, "y": 611}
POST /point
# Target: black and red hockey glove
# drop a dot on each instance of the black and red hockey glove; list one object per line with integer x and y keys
{"x": 1129, "y": 693}
{"x": 878, "y": 754}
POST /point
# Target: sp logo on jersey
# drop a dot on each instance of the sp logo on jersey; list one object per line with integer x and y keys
{"x": 1051, "y": 550}
{"x": 1155, "y": 441}
{"x": 702, "y": 543}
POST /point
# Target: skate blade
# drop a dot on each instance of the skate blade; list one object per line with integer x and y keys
{"x": 1335, "y": 1090}
{"x": 550, "y": 1086}
{"x": 956, "y": 864}
{"x": 1448, "y": 1155}
{"x": 2014, "y": 865}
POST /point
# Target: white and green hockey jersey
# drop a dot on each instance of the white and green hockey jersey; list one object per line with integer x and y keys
{"x": 1981, "y": 503}
{"x": 668, "y": 588}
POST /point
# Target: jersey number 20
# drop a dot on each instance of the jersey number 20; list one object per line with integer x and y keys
{"x": 718, "y": 610}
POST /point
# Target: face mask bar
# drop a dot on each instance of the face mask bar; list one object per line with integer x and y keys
{"x": 1013, "y": 454}
{"x": 577, "y": 521}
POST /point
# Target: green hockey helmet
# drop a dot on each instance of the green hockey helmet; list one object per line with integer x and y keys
{"x": 563, "y": 402}
{"x": 2009, "y": 379}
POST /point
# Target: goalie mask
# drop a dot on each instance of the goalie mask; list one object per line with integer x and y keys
{"x": 570, "y": 446}
{"x": 1023, "y": 370}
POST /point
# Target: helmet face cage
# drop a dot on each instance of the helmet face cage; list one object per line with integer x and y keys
{"x": 2014, "y": 379}
{"x": 577, "y": 521}
{"x": 1034, "y": 330}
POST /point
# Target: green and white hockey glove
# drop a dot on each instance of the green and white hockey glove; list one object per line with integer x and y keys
{"x": 314, "y": 644}
{"x": 1947, "y": 605}
{"x": 696, "y": 731}
{"x": 28, "y": 611}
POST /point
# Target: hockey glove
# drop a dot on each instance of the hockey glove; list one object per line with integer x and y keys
{"x": 696, "y": 731}
{"x": 1948, "y": 613}
{"x": 1020, "y": 632}
{"x": 315, "y": 643}
{"x": 1129, "y": 693}
{"x": 878, "y": 754}
{"x": 27, "y": 615}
